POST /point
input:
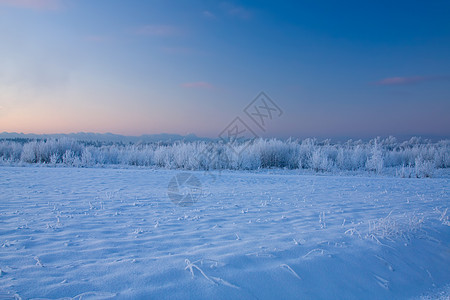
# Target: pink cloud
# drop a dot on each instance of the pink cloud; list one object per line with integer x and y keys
{"x": 158, "y": 30}
{"x": 34, "y": 4}
{"x": 400, "y": 80}
{"x": 408, "y": 80}
{"x": 198, "y": 84}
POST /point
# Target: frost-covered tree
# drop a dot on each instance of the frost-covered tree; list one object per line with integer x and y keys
{"x": 375, "y": 162}
{"x": 376, "y": 155}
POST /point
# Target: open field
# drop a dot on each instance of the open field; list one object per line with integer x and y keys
{"x": 104, "y": 233}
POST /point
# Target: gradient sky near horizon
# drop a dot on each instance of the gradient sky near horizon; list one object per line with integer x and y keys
{"x": 336, "y": 68}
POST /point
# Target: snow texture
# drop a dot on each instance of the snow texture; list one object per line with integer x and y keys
{"x": 102, "y": 233}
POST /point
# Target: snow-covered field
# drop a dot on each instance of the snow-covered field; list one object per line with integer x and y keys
{"x": 114, "y": 233}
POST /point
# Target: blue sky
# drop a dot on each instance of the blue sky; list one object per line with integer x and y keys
{"x": 337, "y": 69}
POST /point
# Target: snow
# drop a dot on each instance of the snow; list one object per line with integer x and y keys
{"x": 101, "y": 233}
{"x": 413, "y": 158}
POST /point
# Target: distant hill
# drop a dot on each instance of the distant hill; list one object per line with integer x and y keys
{"x": 169, "y": 138}
{"x": 107, "y": 137}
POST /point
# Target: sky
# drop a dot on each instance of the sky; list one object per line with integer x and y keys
{"x": 334, "y": 68}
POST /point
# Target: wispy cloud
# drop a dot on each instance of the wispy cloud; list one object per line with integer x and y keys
{"x": 236, "y": 11}
{"x": 209, "y": 15}
{"x": 408, "y": 80}
{"x": 198, "y": 84}
{"x": 158, "y": 30}
{"x": 178, "y": 50}
{"x": 34, "y": 4}
{"x": 97, "y": 38}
